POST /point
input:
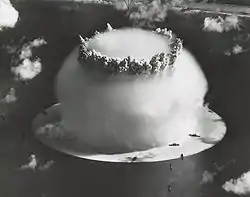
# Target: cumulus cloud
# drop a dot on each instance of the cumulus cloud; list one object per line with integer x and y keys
{"x": 55, "y": 131}
{"x": 207, "y": 177}
{"x": 47, "y": 165}
{"x": 10, "y": 97}
{"x": 26, "y": 51}
{"x": 33, "y": 164}
{"x": 237, "y": 49}
{"x": 213, "y": 24}
{"x": 10, "y": 49}
{"x": 8, "y": 14}
{"x": 120, "y": 5}
{"x": 218, "y": 24}
{"x": 231, "y": 22}
{"x": 27, "y": 68}
{"x": 146, "y": 14}
{"x": 239, "y": 186}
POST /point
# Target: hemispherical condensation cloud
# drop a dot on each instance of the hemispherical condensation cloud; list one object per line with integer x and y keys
{"x": 152, "y": 118}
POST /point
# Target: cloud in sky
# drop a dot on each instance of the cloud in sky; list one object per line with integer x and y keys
{"x": 34, "y": 164}
{"x": 47, "y": 165}
{"x": 28, "y": 68}
{"x": 8, "y": 14}
{"x": 120, "y": 5}
{"x": 10, "y": 49}
{"x": 236, "y": 49}
{"x": 26, "y": 51}
{"x": 231, "y": 22}
{"x": 218, "y": 24}
{"x": 148, "y": 13}
{"x": 239, "y": 186}
{"x": 207, "y": 177}
{"x": 213, "y": 24}
{"x": 10, "y": 97}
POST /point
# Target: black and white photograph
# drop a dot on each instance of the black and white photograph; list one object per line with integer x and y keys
{"x": 124, "y": 98}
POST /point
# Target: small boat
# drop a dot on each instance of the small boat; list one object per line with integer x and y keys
{"x": 194, "y": 135}
{"x": 174, "y": 144}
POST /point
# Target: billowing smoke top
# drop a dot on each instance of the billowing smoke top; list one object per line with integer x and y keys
{"x": 131, "y": 51}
